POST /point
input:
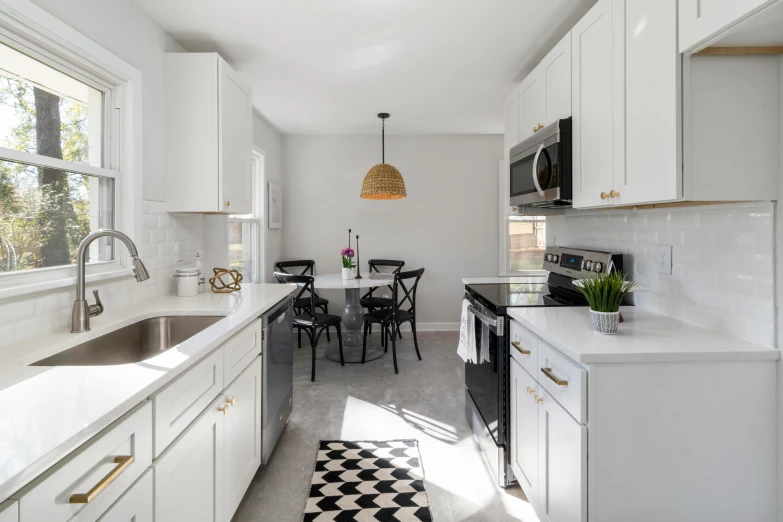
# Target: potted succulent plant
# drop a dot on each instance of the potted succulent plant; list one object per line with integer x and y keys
{"x": 605, "y": 294}
{"x": 348, "y": 264}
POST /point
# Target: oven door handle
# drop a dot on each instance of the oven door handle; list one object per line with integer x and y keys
{"x": 535, "y": 170}
{"x": 487, "y": 320}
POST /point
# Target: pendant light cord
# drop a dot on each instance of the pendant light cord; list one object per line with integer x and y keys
{"x": 383, "y": 140}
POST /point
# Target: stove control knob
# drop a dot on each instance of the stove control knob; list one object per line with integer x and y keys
{"x": 587, "y": 265}
{"x": 597, "y": 267}
{"x": 547, "y": 257}
{"x": 555, "y": 258}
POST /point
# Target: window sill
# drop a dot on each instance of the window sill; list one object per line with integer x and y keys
{"x": 37, "y": 288}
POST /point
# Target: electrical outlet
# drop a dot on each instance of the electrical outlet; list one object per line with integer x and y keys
{"x": 179, "y": 255}
{"x": 663, "y": 259}
{"x": 550, "y": 241}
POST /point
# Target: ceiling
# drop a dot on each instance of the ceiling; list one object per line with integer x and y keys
{"x": 329, "y": 66}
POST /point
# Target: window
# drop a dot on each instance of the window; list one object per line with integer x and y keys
{"x": 526, "y": 243}
{"x": 54, "y": 185}
{"x": 244, "y": 230}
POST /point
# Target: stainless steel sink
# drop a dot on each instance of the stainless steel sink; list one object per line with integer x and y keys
{"x": 133, "y": 343}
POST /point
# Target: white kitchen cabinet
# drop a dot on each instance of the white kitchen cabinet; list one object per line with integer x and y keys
{"x": 596, "y": 131}
{"x": 524, "y": 430}
{"x": 209, "y": 112}
{"x": 532, "y": 103}
{"x": 555, "y": 69}
{"x": 189, "y": 474}
{"x": 135, "y": 505}
{"x": 9, "y": 511}
{"x": 242, "y": 424}
{"x": 562, "y": 453}
{"x": 702, "y": 20}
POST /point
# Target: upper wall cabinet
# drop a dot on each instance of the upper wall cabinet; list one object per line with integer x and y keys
{"x": 545, "y": 95}
{"x": 650, "y": 126}
{"x": 702, "y": 20}
{"x": 209, "y": 113}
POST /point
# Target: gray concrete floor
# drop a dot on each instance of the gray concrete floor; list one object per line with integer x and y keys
{"x": 425, "y": 401}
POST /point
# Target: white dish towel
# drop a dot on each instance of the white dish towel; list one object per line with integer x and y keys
{"x": 467, "y": 335}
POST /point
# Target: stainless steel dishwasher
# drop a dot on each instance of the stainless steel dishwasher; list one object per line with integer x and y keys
{"x": 278, "y": 372}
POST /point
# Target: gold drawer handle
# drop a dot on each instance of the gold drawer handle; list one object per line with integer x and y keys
{"x": 613, "y": 194}
{"x": 85, "y": 498}
{"x": 518, "y": 346}
{"x": 548, "y": 373}
{"x": 530, "y": 391}
{"x": 232, "y": 401}
{"x": 223, "y": 409}
{"x": 538, "y": 399}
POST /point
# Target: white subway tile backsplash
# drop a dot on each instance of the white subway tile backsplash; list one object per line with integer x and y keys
{"x": 21, "y": 318}
{"x": 722, "y": 255}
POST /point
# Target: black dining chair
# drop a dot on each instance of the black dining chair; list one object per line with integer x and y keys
{"x": 303, "y": 267}
{"x": 309, "y": 320}
{"x": 374, "y": 302}
{"x": 403, "y": 310}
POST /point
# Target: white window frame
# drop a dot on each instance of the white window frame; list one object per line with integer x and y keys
{"x": 34, "y": 31}
{"x": 256, "y": 217}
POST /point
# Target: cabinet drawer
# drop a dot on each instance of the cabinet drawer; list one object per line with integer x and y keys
{"x": 240, "y": 350}
{"x": 524, "y": 347}
{"x": 9, "y": 511}
{"x": 94, "y": 475}
{"x": 565, "y": 380}
{"x": 135, "y": 505}
{"x": 185, "y": 398}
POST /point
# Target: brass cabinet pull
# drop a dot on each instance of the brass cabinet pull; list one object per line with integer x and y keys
{"x": 535, "y": 129}
{"x": 548, "y": 373}
{"x": 223, "y": 409}
{"x": 232, "y": 401}
{"x": 518, "y": 346}
{"x": 540, "y": 126}
{"x": 538, "y": 399}
{"x": 613, "y": 193}
{"x": 228, "y": 203}
{"x": 85, "y": 498}
{"x": 530, "y": 391}
{"x": 604, "y": 195}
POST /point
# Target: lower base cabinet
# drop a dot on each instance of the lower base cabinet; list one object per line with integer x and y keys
{"x": 524, "y": 436}
{"x": 242, "y": 454}
{"x": 135, "y": 505}
{"x": 562, "y": 449}
{"x": 189, "y": 474}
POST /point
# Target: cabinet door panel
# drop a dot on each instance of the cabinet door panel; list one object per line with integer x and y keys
{"x": 653, "y": 116}
{"x": 242, "y": 435}
{"x": 532, "y": 98}
{"x": 236, "y": 128}
{"x": 562, "y": 444}
{"x": 524, "y": 431}
{"x": 189, "y": 474}
{"x": 593, "y": 106}
{"x": 556, "y": 71}
{"x": 700, "y": 20}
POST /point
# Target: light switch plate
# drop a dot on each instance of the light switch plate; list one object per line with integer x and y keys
{"x": 662, "y": 255}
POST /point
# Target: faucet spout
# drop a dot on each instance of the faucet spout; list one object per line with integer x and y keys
{"x": 82, "y": 311}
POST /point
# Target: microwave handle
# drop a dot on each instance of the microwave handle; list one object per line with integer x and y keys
{"x": 535, "y": 170}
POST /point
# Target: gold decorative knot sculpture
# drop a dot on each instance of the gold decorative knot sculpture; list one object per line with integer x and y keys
{"x": 225, "y": 281}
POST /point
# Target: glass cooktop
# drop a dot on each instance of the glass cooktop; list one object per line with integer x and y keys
{"x": 499, "y": 296}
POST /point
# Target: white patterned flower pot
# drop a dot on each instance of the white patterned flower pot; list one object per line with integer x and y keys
{"x": 347, "y": 273}
{"x": 605, "y": 322}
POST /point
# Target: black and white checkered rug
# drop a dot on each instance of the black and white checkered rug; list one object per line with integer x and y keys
{"x": 368, "y": 481}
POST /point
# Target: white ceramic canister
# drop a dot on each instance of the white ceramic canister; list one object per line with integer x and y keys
{"x": 187, "y": 281}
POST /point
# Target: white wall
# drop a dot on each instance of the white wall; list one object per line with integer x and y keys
{"x": 447, "y": 224}
{"x": 723, "y": 265}
{"x": 120, "y": 27}
{"x": 269, "y": 139}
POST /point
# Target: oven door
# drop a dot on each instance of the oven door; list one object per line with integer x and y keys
{"x": 484, "y": 379}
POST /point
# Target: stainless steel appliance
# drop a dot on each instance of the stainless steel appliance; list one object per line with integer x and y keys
{"x": 540, "y": 168}
{"x": 277, "y": 359}
{"x": 487, "y": 383}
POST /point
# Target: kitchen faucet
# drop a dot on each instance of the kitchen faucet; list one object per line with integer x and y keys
{"x": 82, "y": 311}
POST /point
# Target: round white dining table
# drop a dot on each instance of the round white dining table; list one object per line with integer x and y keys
{"x": 353, "y": 315}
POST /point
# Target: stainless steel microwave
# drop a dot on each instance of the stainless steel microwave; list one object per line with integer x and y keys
{"x": 540, "y": 168}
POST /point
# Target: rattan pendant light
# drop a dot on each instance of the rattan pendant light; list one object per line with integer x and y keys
{"x": 383, "y": 181}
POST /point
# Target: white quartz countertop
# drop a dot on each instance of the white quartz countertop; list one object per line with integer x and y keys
{"x": 502, "y": 279}
{"x": 643, "y": 337}
{"x": 48, "y": 412}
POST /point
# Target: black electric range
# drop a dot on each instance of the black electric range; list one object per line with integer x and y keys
{"x": 487, "y": 382}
